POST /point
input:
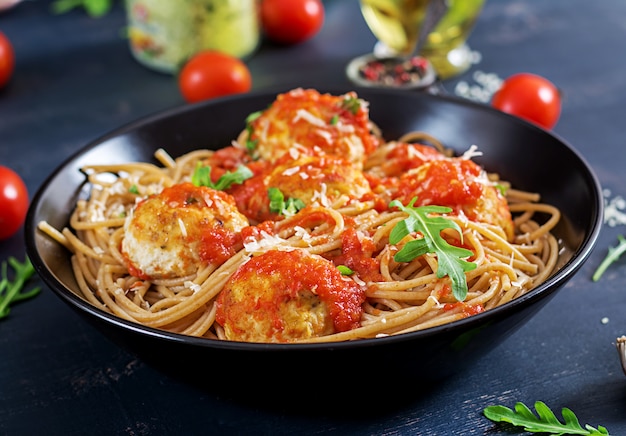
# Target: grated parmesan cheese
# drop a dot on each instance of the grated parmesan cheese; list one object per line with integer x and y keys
{"x": 294, "y": 153}
{"x": 303, "y": 234}
{"x": 183, "y": 228}
{"x": 414, "y": 152}
{"x": 119, "y": 187}
{"x": 97, "y": 212}
{"x": 471, "y": 153}
{"x": 266, "y": 242}
{"x": 321, "y": 196}
{"x": 303, "y": 114}
{"x": 326, "y": 135}
{"x": 345, "y": 128}
{"x": 191, "y": 285}
{"x": 291, "y": 171}
{"x": 438, "y": 305}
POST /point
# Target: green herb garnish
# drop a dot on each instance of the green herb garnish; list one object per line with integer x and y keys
{"x": 502, "y": 189}
{"x": 202, "y": 177}
{"x": 612, "y": 256}
{"x": 450, "y": 257}
{"x": 251, "y": 144}
{"x": 546, "y": 422}
{"x": 11, "y": 291}
{"x": 133, "y": 189}
{"x": 280, "y": 205}
{"x": 352, "y": 104}
{"x": 334, "y": 120}
{"x": 94, "y": 8}
{"x": 253, "y": 116}
{"x": 344, "y": 270}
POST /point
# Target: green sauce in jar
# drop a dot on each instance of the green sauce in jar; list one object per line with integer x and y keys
{"x": 163, "y": 34}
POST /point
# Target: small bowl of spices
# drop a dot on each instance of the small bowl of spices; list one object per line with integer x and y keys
{"x": 392, "y": 72}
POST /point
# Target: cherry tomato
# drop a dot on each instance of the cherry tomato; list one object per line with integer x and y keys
{"x": 7, "y": 60}
{"x": 13, "y": 202}
{"x": 209, "y": 74}
{"x": 291, "y": 21}
{"x": 530, "y": 97}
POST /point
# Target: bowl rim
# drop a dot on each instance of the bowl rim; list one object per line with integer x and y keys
{"x": 543, "y": 290}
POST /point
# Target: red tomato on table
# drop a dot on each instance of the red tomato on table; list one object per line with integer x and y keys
{"x": 210, "y": 74}
{"x": 7, "y": 60}
{"x": 530, "y": 97}
{"x": 13, "y": 202}
{"x": 291, "y": 21}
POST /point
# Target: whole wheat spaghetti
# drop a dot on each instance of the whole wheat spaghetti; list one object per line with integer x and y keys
{"x": 296, "y": 244}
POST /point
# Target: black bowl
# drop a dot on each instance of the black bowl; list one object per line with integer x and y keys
{"x": 527, "y": 156}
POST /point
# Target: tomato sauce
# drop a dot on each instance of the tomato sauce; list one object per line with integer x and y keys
{"x": 228, "y": 158}
{"x": 133, "y": 270}
{"x": 450, "y": 182}
{"x": 251, "y": 198}
{"x": 307, "y": 218}
{"x": 254, "y": 233}
{"x": 357, "y": 255}
{"x": 406, "y": 156}
{"x": 217, "y": 245}
{"x": 467, "y": 309}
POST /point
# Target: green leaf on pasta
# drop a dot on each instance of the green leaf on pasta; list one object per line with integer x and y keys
{"x": 450, "y": 258}
{"x": 202, "y": 177}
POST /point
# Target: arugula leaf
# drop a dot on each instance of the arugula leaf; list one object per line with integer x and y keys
{"x": 279, "y": 205}
{"x": 202, "y": 177}
{"x": 612, "y": 257}
{"x": 94, "y": 8}
{"x": 11, "y": 291}
{"x": 546, "y": 422}
{"x": 250, "y": 143}
{"x": 449, "y": 257}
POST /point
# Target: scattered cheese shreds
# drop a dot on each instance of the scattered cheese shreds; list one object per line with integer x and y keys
{"x": 266, "y": 242}
{"x": 183, "y": 228}
{"x": 303, "y": 114}
{"x": 193, "y": 286}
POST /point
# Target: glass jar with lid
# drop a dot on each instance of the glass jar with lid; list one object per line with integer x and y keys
{"x": 163, "y": 34}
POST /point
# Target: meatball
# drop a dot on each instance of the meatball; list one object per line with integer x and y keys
{"x": 460, "y": 184}
{"x": 337, "y": 125}
{"x": 323, "y": 179}
{"x": 175, "y": 232}
{"x": 284, "y": 296}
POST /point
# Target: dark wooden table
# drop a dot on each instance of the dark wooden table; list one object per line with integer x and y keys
{"x": 75, "y": 80}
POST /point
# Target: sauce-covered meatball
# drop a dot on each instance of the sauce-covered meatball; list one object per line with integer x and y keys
{"x": 283, "y": 296}
{"x": 175, "y": 232}
{"x": 337, "y": 125}
{"x": 460, "y": 184}
{"x": 311, "y": 179}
